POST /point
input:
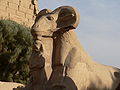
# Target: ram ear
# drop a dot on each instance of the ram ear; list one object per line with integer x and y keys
{"x": 42, "y": 13}
{"x": 67, "y": 17}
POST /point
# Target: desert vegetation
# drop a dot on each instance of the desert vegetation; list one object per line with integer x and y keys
{"x": 15, "y": 51}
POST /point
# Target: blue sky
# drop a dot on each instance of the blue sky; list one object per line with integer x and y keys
{"x": 99, "y": 29}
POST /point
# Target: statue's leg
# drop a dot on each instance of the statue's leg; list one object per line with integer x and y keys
{"x": 56, "y": 79}
{"x": 57, "y": 76}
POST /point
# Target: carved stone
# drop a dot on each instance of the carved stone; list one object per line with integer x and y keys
{"x": 56, "y": 46}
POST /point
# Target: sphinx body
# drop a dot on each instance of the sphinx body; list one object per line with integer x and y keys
{"x": 59, "y": 62}
{"x": 86, "y": 73}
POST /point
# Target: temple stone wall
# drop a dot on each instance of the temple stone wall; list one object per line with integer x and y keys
{"x": 21, "y": 11}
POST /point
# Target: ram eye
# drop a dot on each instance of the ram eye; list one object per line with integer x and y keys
{"x": 49, "y": 17}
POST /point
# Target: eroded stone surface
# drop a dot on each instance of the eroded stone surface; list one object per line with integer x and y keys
{"x": 47, "y": 22}
{"x": 56, "y": 45}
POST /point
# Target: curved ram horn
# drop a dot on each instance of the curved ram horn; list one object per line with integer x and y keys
{"x": 67, "y": 17}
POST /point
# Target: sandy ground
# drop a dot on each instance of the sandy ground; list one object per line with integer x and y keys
{"x": 9, "y": 85}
